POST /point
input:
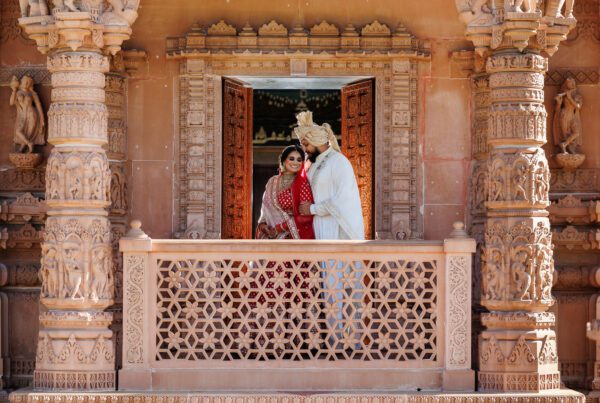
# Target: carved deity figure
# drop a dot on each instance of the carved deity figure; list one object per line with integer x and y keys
{"x": 99, "y": 274}
{"x": 118, "y": 12}
{"x": 29, "y": 125}
{"x": 64, "y": 5}
{"x": 519, "y": 6}
{"x": 554, "y": 8}
{"x": 519, "y": 182}
{"x": 50, "y": 274}
{"x": 496, "y": 185}
{"x": 33, "y": 8}
{"x": 541, "y": 185}
{"x": 492, "y": 270}
{"x": 474, "y": 10}
{"x": 567, "y": 119}
{"x": 521, "y": 268}
{"x": 74, "y": 273}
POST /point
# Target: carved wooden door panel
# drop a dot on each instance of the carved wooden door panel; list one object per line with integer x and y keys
{"x": 236, "y": 216}
{"x": 358, "y": 142}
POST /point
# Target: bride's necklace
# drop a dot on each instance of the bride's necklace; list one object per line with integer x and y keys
{"x": 286, "y": 180}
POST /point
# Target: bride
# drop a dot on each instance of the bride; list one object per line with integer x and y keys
{"x": 279, "y": 215}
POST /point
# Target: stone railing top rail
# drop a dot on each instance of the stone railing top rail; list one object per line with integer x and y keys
{"x": 132, "y": 245}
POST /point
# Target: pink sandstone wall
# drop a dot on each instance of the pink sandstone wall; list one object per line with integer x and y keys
{"x": 444, "y": 101}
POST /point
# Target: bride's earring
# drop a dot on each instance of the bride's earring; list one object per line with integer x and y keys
{"x": 281, "y": 169}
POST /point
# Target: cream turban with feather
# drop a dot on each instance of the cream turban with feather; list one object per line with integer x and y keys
{"x": 316, "y": 135}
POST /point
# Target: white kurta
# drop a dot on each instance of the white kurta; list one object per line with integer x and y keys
{"x": 337, "y": 210}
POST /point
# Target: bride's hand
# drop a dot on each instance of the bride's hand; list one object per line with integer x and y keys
{"x": 271, "y": 232}
{"x": 304, "y": 208}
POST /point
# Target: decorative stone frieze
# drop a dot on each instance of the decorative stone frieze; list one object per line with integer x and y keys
{"x": 274, "y": 37}
{"x": 517, "y": 351}
{"x": 78, "y": 177}
{"x": 25, "y": 208}
{"x": 574, "y": 211}
{"x": 517, "y": 179}
{"x": 75, "y": 348}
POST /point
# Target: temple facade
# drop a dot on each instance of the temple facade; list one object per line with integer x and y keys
{"x": 137, "y": 137}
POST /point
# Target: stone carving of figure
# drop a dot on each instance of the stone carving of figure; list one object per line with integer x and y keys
{"x": 519, "y": 182}
{"x": 97, "y": 184}
{"x": 74, "y": 273}
{"x": 521, "y": 268}
{"x": 496, "y": 185}
{"x": 492, "y": 271}
{"x": 541, "y": 186}
{"x": 567, "y": 120}
{"x": 75, "y": 184}
{"x": 119, "y": 13}
{"x": 62, "y": 4}
{"x": 50, "y": 274}
{"x": 36, "y": 8}
{"x": 519, "y": 6}
{"x": 554, "y": 7}
{"x": 474, "y": 10}
{"x": 29, "y": 126}
{"x": 99, "y": 275}
{"x": 53, "y": 181}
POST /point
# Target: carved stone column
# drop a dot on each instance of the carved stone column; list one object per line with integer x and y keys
{"x": 75, "y": 347}
{"x": 517, "y": 351}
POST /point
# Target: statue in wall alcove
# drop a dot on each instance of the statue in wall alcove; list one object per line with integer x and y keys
{"x": 554, "y": 8}
{"x": 33, "y": 8}
{"x": 64, "y": 5}
{"x": 567, "y": 125}
{"x": 29, "y": 124}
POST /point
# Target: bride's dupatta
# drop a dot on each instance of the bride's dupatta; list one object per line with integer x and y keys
{"x": 304, "y": 223}
{"x": 272, "y": 214}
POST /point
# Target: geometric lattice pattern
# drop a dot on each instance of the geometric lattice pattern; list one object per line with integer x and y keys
{"x": 296, "y": 310}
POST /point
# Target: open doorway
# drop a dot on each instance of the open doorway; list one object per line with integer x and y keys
{"x": 258, "y": 119}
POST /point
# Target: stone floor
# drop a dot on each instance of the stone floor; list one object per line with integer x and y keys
{"x": 28, "y": 396}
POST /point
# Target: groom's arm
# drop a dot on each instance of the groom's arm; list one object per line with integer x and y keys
{"x": 343, "y": 181}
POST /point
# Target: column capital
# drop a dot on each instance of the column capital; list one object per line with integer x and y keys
{"x": 513, "y": 24}
{"x": 92, "y": 26}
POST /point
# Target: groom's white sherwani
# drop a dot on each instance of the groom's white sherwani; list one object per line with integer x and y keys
{"x": 337, "y": 210}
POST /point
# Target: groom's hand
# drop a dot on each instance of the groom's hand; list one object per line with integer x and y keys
{"x": 305, "y": 208}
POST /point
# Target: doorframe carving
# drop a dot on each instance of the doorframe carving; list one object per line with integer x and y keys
{"x": 393, "y": 59}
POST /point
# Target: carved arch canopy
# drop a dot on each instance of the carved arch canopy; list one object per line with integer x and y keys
{"x": 390, "y": 56}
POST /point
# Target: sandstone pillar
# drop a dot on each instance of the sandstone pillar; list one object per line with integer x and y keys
{"x": 517, "y": 351}
{"x": 75, "y": 347}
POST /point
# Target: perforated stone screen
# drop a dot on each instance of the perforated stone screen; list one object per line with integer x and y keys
{"x": 296, "y": 310}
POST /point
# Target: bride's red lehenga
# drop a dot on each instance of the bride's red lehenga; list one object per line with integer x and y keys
{"x": 281, "y": 210}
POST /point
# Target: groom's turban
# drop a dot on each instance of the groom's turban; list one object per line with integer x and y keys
{"x": 315, "y": 135}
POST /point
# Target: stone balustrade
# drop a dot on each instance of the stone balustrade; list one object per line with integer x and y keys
{"x": 296, "y": 315}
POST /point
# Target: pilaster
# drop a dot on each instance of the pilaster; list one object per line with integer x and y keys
{"x": 75, "y": 347}
{"x": 517, "y": 350}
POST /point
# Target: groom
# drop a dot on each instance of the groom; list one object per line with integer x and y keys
{"x": 337, "y": 210}
{"x": 337, "y": 215}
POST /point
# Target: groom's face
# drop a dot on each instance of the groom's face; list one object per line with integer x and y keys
{"x": 311, "y": 151}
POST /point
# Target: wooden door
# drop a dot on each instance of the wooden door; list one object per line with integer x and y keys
{"x": 236, "y": 218}
{"x": 358, "y": 141}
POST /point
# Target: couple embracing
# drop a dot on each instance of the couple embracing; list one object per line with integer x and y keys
{"x": 317, "y": 199}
